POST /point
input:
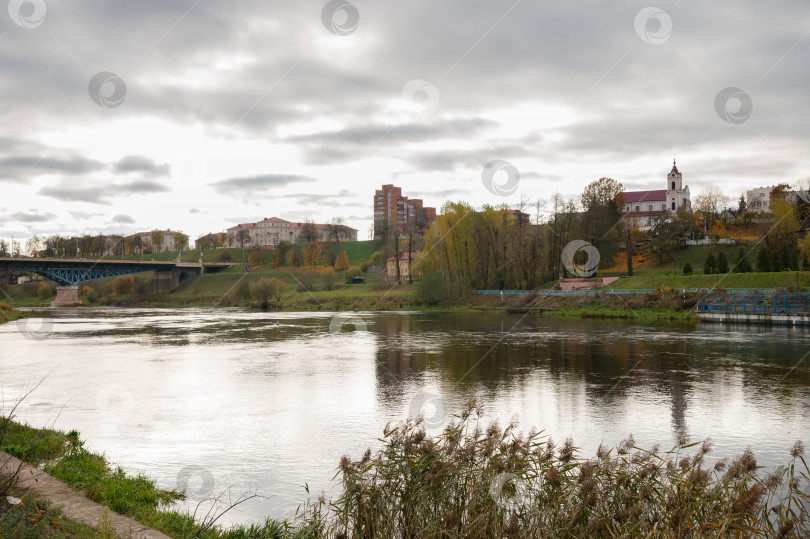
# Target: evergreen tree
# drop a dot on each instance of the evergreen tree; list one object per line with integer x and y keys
{"x": 763, "y": 261}
{"x": 708, "y": 266}
{"x": 743, "y": 265}
{"x": 794, "y": 259}
{"x": 722, "y": 263}
{"x": 687, "y": 269}
{"x": 805, "y": 262}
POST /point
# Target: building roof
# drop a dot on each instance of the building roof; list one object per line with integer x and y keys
{"x": 403, "y": 255}
{"x": 644, "y": 196}
{"x": 169, "y": 232}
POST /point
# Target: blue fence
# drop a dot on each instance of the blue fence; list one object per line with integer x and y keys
{"x": 756, "y": 303}
{"x": 729, "y": 291}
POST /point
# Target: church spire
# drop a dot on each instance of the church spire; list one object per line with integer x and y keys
{"x": 674, "y": 167}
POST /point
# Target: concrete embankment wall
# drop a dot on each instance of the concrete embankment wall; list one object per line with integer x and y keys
{"x": 764, "y": 319}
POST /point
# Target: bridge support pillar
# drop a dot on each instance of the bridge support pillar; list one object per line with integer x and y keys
{"x": 66, "y": 296}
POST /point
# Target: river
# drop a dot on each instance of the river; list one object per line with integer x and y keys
{"x": 226, "y": 400}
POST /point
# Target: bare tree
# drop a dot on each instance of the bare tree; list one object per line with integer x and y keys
{"x": 309, "y": 232}
{"x": 335, "y": 227}
{"x": 709, "y": 203}
{"x": 157, "y": 241}
{"x": 243, "y": 237}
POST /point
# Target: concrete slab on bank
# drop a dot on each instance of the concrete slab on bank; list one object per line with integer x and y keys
{"x": 75, "y": 505}
{"x": 760, "y": 319}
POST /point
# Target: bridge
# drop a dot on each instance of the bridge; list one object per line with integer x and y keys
{"x": 69, "y": 272}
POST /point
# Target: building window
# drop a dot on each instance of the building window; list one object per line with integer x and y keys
{"x": 762, "y": 195}
{"x": 673, "y": 185}
{"x": 650, "y": 207}
{"x": 673, "y": 205}
{"x": 637, "y": 208}
{"x": 663, "y": 207}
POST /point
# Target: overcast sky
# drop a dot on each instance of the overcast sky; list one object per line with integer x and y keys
{"x": 195, "y": 115}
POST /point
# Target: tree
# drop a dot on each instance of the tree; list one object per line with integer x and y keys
{"x": 297, "y": 256}
{"x": 243, "y": 237}
{"x": 157, "y": 240}
{"x": 180, "y": 241}
{"x": 722, "y": 263}
{"x": 709, "y": 204}
{"x": 743, "y": 265}
{"x": 742, "y": 206}
{"x": 763, "y": 261}
{"x": 255, "y": 259}
{"x": 138, "y": 243}
{"x": 3, "y": 248}
{"x": 780, "y": 192}
{"x": 225, "y": 255}
{"x": 603, "y": 192}
{"x": 280, "y": 253}
{"x": 708, "y": 266}
{"x": 687, "y": 269}
{"x": 313, "y": 255}
{"x": 309, "y": 233}
{"x": 242, "y": 290}
{"x": 335, "y": 227}
{"x": 33, "y": 246}
{"x": 342, "y": 261}
{"x": 277, "y": 288}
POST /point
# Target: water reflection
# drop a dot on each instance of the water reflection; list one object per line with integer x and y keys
{"x": 270, "y": 401}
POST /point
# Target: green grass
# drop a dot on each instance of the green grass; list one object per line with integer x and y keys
{"x": 36, "y": 518}
{"x": 652, "y": 279}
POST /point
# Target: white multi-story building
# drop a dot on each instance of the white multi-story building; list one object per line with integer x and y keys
{"x": 758, "y": 200}
{"x": 270, "y": 232}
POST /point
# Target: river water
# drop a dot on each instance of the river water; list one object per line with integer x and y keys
{"x": 244, "y": 402}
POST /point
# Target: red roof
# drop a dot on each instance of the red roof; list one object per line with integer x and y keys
{"x": 643, "y": 196}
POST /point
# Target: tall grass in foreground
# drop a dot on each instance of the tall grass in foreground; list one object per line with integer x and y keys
{"x": 473, "y": 481}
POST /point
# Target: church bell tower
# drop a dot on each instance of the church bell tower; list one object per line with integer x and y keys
{"x": 675, "y": 196}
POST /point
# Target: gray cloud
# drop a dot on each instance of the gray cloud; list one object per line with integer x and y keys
{"x": 31, "y": 217}
{"x": 253, "y": 184}
{"x": 141, "y": 164}
{"x": 124, "y": 219}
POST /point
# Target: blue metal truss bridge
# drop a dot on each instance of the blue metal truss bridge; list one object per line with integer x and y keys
{"x": 69, "y": 272}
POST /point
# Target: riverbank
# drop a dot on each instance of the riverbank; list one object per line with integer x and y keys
{"x": 233, "y": 289}
{"x": 477, "y": 482}
{"x": 8, "y": 313}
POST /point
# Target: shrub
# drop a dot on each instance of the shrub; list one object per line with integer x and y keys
{"x": 432, "y": 289}
{"x": 687, "y": 269}
{"x": 242, "y": 290}
{"x": 306, "y": 282}
{"x": 5, "y": 307}
{"x": 277, "y": 289}
{"x": 92, "y": 296}
{"x": 261, "y": 291}
{"x": 330, "y": 280}
{"x": 477, "y": 481}
{"x": 255, "y": 259}
{"x": 743, "y": 265}
{"x": 352, "y": 272}
{"x": 225, "y": 256}
{"x": 342, "y": 261}
{"x": 123, "y": 285}
{"x": 44, "y": 290}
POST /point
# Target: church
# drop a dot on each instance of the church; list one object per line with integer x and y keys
{"x": 642, "y": 208}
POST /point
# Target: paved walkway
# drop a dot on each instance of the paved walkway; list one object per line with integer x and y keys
{"x": 75, "y": 506}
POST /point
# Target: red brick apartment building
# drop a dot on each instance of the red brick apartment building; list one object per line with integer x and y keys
{"x": 393, "y": 209}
